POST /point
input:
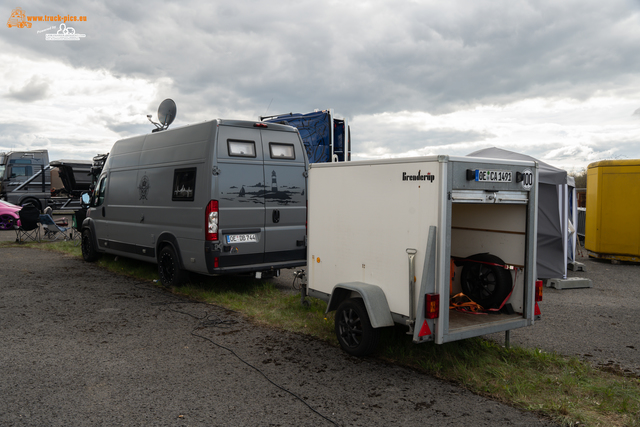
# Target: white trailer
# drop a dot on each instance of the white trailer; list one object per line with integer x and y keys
{"x": 384, "y": 238}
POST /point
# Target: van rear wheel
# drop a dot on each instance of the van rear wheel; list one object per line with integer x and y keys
{"x": 353, "y": 328}
{"x": 169, "y": 268}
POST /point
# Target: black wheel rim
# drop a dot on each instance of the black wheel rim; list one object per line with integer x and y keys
{"x": 350, "y": 328}
{"x": 168, "y": 267}
{"x": 483, "y": 283}
{"x": 86, "y": 244}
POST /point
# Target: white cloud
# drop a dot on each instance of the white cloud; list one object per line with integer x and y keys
{"x": 84, "y": 111}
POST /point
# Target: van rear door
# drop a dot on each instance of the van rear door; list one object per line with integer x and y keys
{"x": 285, "y": 196}
{"x": 240, "y": 189}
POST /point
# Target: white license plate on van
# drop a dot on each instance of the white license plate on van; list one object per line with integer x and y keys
{"x": 242, "y": 238}
{"x": 493, "y": 176}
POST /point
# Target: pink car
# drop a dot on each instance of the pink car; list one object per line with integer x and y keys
{"x": 8, "y": 215}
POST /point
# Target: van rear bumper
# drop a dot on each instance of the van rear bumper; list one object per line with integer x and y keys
{"x": 240, "y": 263}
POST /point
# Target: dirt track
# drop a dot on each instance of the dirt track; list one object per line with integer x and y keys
{"x": 88, "y": 347}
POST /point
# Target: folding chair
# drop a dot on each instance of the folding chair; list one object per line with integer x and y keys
{"x": 76, "y": 225}
{"x": 29, "y": 228}
{"x": 52, "y": 230}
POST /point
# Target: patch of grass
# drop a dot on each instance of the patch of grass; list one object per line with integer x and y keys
{"x": 571, "y": 392}
{"x": 264, "y": 303}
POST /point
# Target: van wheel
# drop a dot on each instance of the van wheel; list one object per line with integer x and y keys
{"x": 89, "y": 252}
{"x": 353, "y": 328}
{"x": 169, "y": 268}
{"x": 485, "y": 281}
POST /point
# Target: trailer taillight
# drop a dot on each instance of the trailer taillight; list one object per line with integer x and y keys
{"x": 538, "y": 290}
{"x": 211, "y": 221}
{"x": 432, "y": 306}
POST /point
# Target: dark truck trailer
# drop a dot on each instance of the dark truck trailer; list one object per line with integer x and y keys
{"x": 29, "y": 177}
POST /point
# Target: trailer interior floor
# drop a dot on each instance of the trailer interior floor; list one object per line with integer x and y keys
{"x": 459, "y": 320}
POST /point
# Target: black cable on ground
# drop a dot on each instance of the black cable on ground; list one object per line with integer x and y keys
{"x": 206, "y": 322}
{"x": 264, "y": 375}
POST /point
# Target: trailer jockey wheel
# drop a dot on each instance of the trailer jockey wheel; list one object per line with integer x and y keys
{"x": 485, "y": 280}
{"x": 353, "y": 328}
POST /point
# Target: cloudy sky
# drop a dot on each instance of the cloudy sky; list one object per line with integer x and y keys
{"x": 558, "y": 80}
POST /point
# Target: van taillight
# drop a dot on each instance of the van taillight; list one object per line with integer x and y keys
{"x": 211, "y": 221}
{"x": 538, "y": 290}
{"x": 432, "y": 306}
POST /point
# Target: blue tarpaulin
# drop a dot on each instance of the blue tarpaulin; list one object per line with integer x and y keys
{"x": 315, "y": 132}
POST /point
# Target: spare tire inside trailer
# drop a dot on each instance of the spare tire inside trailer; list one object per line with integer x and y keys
{"x": 485, "y": 280}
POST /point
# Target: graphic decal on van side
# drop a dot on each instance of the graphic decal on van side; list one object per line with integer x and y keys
{"x": 273, "y": 193}
{"x": 144, "y": 186}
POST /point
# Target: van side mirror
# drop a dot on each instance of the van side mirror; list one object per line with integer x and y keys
{"x": 85, "y": 199}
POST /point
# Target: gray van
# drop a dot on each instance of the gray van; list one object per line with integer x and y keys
{"x": 213, "y": 198}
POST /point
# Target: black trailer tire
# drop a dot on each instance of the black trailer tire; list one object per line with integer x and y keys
{"x": 353, "y": 328}
{"x": 169, "y": 268}
{"x": 89, "y": 251}
{"x": 485, "y": 281}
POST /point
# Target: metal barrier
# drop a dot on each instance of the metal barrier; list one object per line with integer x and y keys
{"x": 582, "y": 216}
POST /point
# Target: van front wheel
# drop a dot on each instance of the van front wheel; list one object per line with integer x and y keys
{"x": 89, "y": 252}
{"x": 169, "y": 268}
{"x": 353, "y": 328}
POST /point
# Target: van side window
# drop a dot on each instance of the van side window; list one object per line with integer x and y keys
{"x": 241, "y": 148}
{"x": 184, "y": 184}
{"x": 282, "y": 151}
{"x": 98, "y": 194}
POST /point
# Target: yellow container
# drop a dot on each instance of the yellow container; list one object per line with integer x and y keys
{"x": 612, "y": 228}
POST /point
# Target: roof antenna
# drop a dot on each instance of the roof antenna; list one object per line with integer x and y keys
{"x": 166, "y": 114}
{"x": 265, "y": 112}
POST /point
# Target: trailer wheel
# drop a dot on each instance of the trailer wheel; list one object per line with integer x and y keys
{"x": 169, "y": 268}
{"x": 353, "y": 328}
{"x": 485, "y": 281}
{"x": 89, "y": 252}
{"x": 32, "y": 201}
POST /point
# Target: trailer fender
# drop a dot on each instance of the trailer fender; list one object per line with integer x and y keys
{"x": 374, "y": 299}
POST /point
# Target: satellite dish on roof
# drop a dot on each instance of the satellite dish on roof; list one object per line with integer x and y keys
{"x": 166, "y": 114}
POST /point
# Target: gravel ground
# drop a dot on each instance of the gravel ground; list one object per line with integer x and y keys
{"x": 85, "y": 347}
{"x": 600, "y": 324}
